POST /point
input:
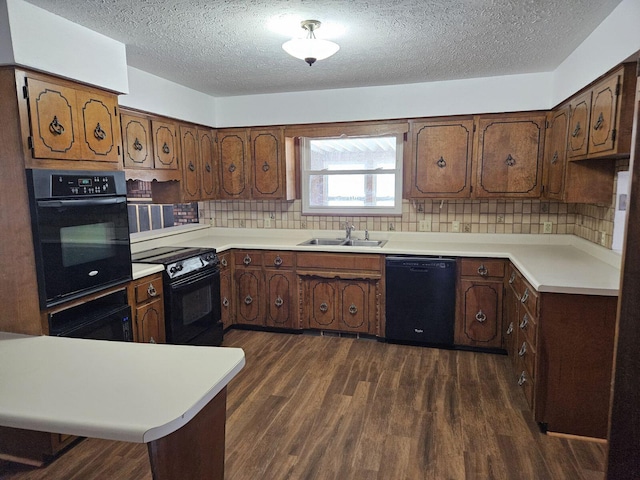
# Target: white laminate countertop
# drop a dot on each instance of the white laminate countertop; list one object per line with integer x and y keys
{"x": 551, "y": 263}
{"x": 133, "y": 392}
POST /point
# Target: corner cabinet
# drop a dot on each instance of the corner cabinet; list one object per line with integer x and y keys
{"x": 441, "y": 158}
{"x": 508, "y": 156}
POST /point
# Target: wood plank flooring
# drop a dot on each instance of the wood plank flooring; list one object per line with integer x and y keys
{"x": 310, "y": 407}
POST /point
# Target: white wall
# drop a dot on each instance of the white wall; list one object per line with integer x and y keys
{"x": 157, "y": 95}
{"x": 47, "y": 42}
{"x": 612, "y": 42}
{"x": 6, "y": 46}
{"x": 478, "y": 95}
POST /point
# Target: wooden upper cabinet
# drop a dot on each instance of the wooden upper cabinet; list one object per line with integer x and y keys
{"x": 267, "y": 158}
{"x": 508, "y": 157}
{"x": 191, "y": 163}
{"x": 556, "y": 153}
{"x": 136, "y": 141}
{"x": 209, "y": 188}
{"x": 579, "y": 125}
{"x": 72, "y": 123}
{"x": 233, "y": 154}
{"x": 441, "y": 159}
{"x": 604, "y": 106}
{"x": 165, "y": 145}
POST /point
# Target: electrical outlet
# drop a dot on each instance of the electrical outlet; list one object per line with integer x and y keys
{"x": 424, "y": 225}
{"x": 467, "y": 228}
{"x": 242, "y": 224}
{"x": 547, "y": 227}
{"x": 267, "y": 222}
{"x": 603, "y": 238}
{"x": 392, "y": 227}
{"x": 500, "y": 219}
{"x": 303, "y": 225}
{"x": 455, "y": 226}
{"x": 212, "y": 222}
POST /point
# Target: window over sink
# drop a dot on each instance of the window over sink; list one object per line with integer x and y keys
{"x": 352, "y": 175}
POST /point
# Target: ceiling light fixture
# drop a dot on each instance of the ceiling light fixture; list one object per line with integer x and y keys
{"x": 310, "y": 48}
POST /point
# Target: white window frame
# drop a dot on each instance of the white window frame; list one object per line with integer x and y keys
{"x": 306, "y": 174}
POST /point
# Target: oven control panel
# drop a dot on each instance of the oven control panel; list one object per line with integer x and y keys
{"x": 80, "y": 185}
{"x": 203, "y": 261}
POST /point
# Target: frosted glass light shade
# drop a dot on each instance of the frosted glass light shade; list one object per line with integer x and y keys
{"x": 310, "y": 49}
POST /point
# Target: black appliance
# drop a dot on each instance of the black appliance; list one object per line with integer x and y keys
{"x": 80, "y": 231}
{"x": 420, "y": 300}
{"x": 191, "y": 282}
{"x": 105, "y": 318}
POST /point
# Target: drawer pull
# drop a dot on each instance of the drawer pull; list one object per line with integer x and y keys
{"x": 512, "y": 278}
{"x": 599, "y": 122}
{"x": 137, "y": 145}
{"x": 247, "y": 259}
{"x": 324, "y": 307}
{"x": 277, "y": 261}
{"x": 522, "y": 379}
{"x": 165, "y": 148}
{"x": 441, "y": 163}
{"x": 225, "y": 302}
{"x": 510, "y": 161}
{"x": 56, "y": 127}
{"x": 525, "y": 295}
{"x": 481, "y": 316}
{"x": 523, "y": 349}
{"x": 510, "y": 329}
{"x": 353, "y": 309}
{"x": 482, "y": 270}
{"x": 279, "y": 302}
{"x": 248, "y": 300}
{"x": 151, "y": 290}
{"x": 99, "y": 133}
{"x": 224, "y": 262}
{"x": 525, "y": 321}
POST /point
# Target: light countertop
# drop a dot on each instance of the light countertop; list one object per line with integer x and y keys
{"x": 551, "y": 263}
{"x": 134, "y": 392}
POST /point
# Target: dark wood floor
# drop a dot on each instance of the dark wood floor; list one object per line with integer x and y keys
{"x": 308, "y": 407}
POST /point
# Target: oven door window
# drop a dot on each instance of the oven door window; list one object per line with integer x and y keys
{"x": 82, "y": 245}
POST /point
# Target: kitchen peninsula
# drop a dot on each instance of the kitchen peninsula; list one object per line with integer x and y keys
{"x": 115, "y": 390}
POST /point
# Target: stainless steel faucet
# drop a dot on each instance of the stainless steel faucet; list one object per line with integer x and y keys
{"x": 349, "y": 227}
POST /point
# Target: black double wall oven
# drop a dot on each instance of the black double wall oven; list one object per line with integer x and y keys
{"x": 80, "y": 232}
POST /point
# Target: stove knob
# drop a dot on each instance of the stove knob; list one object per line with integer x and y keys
{"x": 179, "y": 267}
{"x": 172, "y": 270}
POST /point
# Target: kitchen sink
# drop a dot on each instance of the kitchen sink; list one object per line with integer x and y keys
{"x": 343, "y": 242}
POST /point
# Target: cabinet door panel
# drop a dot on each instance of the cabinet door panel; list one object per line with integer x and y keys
{"x": 150, "y": 323}
{"x": 267, "y": 158}
{"x": 100, "y": 126}
{"x": 232, "y": 151}
{"x": 354, "y": 304}
{"x": 190, "y": 163}
{"x": 481, "y": 313}
{"x": 579, "y": 126}
{"x": 249, "y": 301}
{"x": 322, "y": 307}
{"x": 165, "y": 145}
{"x": 556, "y": 153}
{"x": 510, "y": 157}
{"x": 54, "y": 125}
{"x": 209, "y": 184}
{"x": 603, "y": 116}
{"x": 136, "y": 140}
{"x": 226, "y": 298}
{"x": 281, "y": 305}
{"x": 441, "y": 163}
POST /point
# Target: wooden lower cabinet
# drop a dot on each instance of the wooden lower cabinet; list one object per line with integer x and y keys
{"x": 249, "y": 296}
{"x": 227, "y": 304}
{"x": 147, "y": 307}
{"x": 281, "y": 305}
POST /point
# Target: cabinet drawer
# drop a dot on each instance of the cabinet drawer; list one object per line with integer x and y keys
{"x": 482, "y": 268}
{"x": 225, "y": 261}
{"x": 149, "y": 289}
{"x": 527, "y": 357}
{"x": 247, "y": 258}
{"x": 529, "y": 299}
{"x": 526, "y": 383}
{"x": 528, "y": 326}
{"x": 279, "y": 260}
{"x": 514, "y": 281}
{"x": 340, "y": 262}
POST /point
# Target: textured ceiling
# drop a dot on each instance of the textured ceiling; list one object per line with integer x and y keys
{"x": 226, "y": 47}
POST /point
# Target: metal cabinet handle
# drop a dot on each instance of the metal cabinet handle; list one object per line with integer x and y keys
{"x": 265, "y": 167}
{"x": 525, "y": 321}
{"x": 277, "y": 261}
{"x": 192, "y": 167}
{"x": 247, "y": 259}
{"x": 599, "y": 122}
{"x": 481, "y": 316}
{"x": 165, "y": 148}
{"x": 225, "y": 302}
{"x": 151, "y": 290}
{"x": 278, "y": 302}
{"x": 324, "y": 307}
{"x": 525, "y": 295}
{"x": 137, "y": 145}
{"x": 554, "y": 160}
{"x": 522, "y": 379}
{"x": 353, "y": 309}
{"x": 576, "y": 131}
{"x": 523, "y": 349}
{"x": 482, "y": 270}
{"x": 232, "y": 168}
{"x": 510, "y": 161}
{"x": 441, "y": 163}
{"x": 248, "y": 300}
{"x": 99, "y": 133}
{"x": 56, "y": 127}
{"x": 512, "y": 278}
{"x": 510, "y": 329}
{"x": 224, "y": 262}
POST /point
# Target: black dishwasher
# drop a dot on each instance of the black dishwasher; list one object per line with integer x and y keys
{"x": 420, "y": 300}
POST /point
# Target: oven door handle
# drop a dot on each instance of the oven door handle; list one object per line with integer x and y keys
{"x": 81, "y": 202}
